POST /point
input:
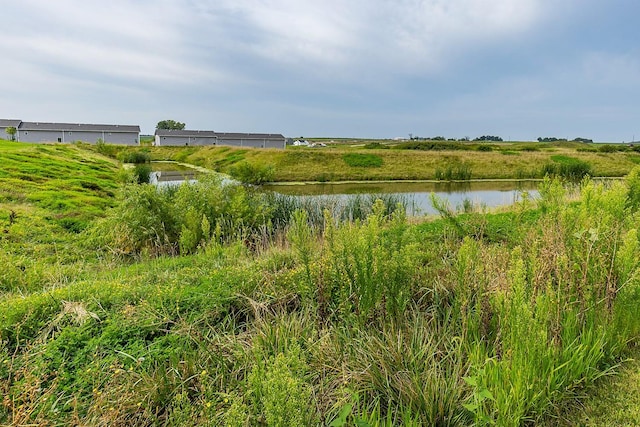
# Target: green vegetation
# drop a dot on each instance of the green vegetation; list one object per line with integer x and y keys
{"x": 254, "y": 174}
{"x": 213, "y": 304}
{"x": 170, "y": 124}
{"x": 11, "y": 131}
{"x": 358, "y": 160}
{"x": 567, "y": 167}
{"x": 428, "y": 160}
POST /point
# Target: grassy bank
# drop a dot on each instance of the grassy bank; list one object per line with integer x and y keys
{"x": 217, "y": 305}
{"x": 354, "y": 163}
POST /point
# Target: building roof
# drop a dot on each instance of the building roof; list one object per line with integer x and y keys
{"x": 249, "y": 135}
{"x": 186, "y": 133}
{"x": 78, "y": 127}
{"x": 5, "y": 123}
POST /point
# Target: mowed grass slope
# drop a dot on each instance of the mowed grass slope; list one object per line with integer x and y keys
{"x": 69, "y": 181}
{"x": 49, "y": 194}
{"x": 341, "y": 163}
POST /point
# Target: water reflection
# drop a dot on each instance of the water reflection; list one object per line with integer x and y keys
{"x": 459, "y": 195}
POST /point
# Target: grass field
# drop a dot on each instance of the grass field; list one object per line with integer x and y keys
{"x": 217, "y": 305}
{"x": 343, "y": 162}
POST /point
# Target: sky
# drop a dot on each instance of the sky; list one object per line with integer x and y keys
{"x": 518, "y": 69}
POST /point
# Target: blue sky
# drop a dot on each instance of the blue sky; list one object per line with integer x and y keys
{"x": 519, "y": 69}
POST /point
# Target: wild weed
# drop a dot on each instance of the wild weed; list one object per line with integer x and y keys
{"x": 369, "y": 267}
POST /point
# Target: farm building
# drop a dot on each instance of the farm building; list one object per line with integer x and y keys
{"x": 185, "y": 137}
{"x": 195, "y": 137}
{"x": 70, "y": 132}
{"x": 6, "y": 123}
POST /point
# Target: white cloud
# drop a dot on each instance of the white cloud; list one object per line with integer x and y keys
{"x": 200, "y": 41}
{"x": 137, "y": 41}
{"x": 359, "y": 33}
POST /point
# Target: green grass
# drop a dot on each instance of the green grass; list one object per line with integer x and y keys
{"x": 504, "y": 161}
{"x": 210, "y": 305}
{"x": 362, "y": 160}
{"x": 612, "y": 401}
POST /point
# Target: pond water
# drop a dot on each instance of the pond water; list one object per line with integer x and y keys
{"x": 417, "y": 195}
{"x": 170, "y": 173}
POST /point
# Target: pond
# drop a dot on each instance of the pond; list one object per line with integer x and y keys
{"x": 171, "y": 173}
{"x": 417, "y": 195}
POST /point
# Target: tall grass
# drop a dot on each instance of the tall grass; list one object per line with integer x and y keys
{"x": 353, "y": 319}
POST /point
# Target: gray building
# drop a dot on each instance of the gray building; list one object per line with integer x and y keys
{"x": 185, "y": 137}
{"x": 70, "y": 132}
{"x": 6, "y": 123}
{"x": 195, "y": 137}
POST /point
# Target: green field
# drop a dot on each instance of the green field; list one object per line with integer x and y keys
{"x": 212, "y": 304}
{"x": 354, "y": 162}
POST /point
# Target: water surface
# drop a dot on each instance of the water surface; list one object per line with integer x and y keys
{"x": 417, "y": 195}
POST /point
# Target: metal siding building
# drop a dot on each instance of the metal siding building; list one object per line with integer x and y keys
{"x": 254, "y": 140}
{"x": 165, "y": 137}
{"x": 184, "y": 137}
{"x": 70, "y": 132}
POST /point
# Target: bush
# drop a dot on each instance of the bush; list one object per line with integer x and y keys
{"x": 483, "y": 147}
{"x": 368, "y": 268}
{"x": 253, "y": 174}
{"x": 432, "y": 146}
{"x": 567, "y": 167}
{"x": 180, "y": 220}
{"x": 142, "y": 173}
{"x": 611, "y": 148}
{"x": 137, "y": 157}
{"x": 376, "y": 146}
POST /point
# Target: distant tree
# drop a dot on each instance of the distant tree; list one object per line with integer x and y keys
{"x": 11, "y": 131}
{"x": 551, "y": 139}
{"x": 170, "y": 124}
{"x": 488, "y": 138}
{"x": 585, "y": 140}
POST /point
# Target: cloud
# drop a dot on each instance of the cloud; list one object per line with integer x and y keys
{"x": 136, "y": 41}
{"x": 204, "y": 41}
{"x": 353, "y": 36}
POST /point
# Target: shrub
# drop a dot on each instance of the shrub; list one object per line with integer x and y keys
{"x": 254, "y": 174}
{"x": 137, "y": 157}
{"x": 142, "y": 173}
{"x": 567, "y": 167}
{"x": 376, "y": 146}
{"x": 369, "y": 267}
{"x": 432, "y": 145}
{"x": 483, "y": 147}
{"x": 611, "y": 148}
{"x": 171, "y": 220}
{"x": 278, "y": 390}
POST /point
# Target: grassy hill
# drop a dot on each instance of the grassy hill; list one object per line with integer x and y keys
{"x": 415, "y": 161}
{"x": 121, "y": 304}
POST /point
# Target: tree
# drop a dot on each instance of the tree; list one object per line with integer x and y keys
{"x": 488, "y": 138}
{"x": 11, "y": 131}
{"x": 170, "y": 124}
